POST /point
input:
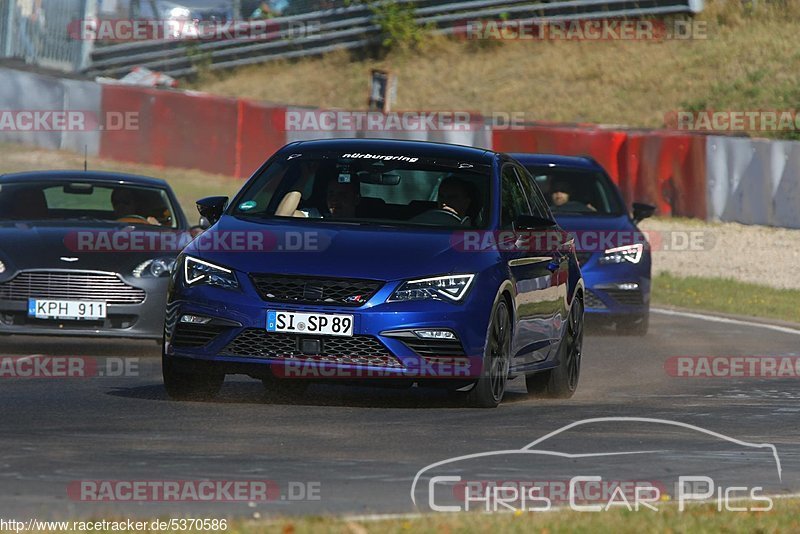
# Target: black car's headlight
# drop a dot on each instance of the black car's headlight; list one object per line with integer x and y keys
{"x": 154, "y": 268}
{"x": 449, "y": 288}
{"x": 196, "y": 272}
{"x": 629, "y": 253}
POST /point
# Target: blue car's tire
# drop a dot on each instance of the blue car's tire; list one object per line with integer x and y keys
{"x": 199, "y": 383}
{"x": 562, "y": 381}
{"x": 491, "y": 386}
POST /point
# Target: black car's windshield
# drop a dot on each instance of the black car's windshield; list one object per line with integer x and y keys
{"x": 577, "y": 191}
{"x": 69, "y": 200}
{"x": 370, "y": 189}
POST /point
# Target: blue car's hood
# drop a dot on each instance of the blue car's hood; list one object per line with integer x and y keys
{"x": 577, "y": 223}
{"x": 336, "y": 250}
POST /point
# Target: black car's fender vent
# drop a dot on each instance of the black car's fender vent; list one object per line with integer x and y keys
{"x": 71, "y": 285}
{"x": 355, "y": 350}
{"x": 315, "y": 290}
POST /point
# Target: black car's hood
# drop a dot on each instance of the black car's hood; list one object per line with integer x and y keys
{"x": 26, "y": 245}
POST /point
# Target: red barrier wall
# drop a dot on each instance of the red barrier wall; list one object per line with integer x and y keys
{"x": 205, "y": 132}
{"x": 660, "y": 168}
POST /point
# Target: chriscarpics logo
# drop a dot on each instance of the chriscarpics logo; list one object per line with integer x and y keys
{"x": 595, "y": 465}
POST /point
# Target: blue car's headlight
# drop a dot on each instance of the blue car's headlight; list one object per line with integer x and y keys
{"x": 630, "y": 253}
{"x": 196, "y": 272}
{"x": 2, "y": 267}
{"x": 449, "y": 288}
{"x": 154, "y": 268}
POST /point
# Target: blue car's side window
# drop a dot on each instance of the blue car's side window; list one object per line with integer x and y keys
{"x": 513, "y": 200}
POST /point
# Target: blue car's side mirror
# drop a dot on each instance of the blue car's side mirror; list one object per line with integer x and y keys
{"x": 642, "y": 211}
{"x": 211, "y": 208}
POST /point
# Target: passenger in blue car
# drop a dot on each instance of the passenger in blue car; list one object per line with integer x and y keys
{"x": 343, "y": 196}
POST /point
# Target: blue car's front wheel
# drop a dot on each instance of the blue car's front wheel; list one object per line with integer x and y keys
{"x": 491, "y": 386}
{"x": 562, "y": 381}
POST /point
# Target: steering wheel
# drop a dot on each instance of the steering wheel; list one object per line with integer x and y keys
{"x": 437, "y": 216}
{"x": 132, "y": 219}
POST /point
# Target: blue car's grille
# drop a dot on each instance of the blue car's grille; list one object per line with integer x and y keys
{"x": 313, "y": 290}
{"x": 590, "y": 300}
{"x": 355, "y": 350}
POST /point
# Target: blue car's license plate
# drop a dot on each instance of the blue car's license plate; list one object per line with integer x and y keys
{"x": 309, "y": 323}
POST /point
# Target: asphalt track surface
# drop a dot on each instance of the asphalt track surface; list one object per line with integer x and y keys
{"x": 363, "y": 446}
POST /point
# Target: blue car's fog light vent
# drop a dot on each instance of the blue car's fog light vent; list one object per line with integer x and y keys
{"x": 593, "y": 301}
{"x": 431, "y": 347}
{"x": 355, "y": 350}
{"x": 628, "y": 297}
{"x": 315, "y": 290}
{"x": 192, "y": 335}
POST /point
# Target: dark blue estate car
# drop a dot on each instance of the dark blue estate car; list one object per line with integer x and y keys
{"x": 376, "y": 259}
{"x": 614, "y": 254}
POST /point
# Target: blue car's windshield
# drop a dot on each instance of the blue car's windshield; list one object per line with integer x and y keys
{"x": 576, "y": 191}
{"x": 370, "y": 189}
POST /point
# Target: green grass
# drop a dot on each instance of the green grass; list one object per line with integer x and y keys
{"x": 726, "y": 296}
{"x": 697, "y": 519}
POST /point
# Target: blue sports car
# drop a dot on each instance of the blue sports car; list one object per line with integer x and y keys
{"x": 373, "y": 259}
{"x": 614, "y": 254}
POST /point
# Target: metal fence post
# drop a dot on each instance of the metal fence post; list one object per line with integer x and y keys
{"x": 8, "y": 15}
{"x": 84, "y": 56}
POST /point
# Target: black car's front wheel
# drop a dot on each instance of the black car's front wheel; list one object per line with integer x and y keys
{"x": 491, "y": 386}
{"x": 562, "y": 381}
{"x": 199, "y": 382}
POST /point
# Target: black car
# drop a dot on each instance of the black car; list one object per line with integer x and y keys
{"x": 86, "y": 253}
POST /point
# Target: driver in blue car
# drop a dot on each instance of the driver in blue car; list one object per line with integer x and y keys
{"x": 455, "y": 195}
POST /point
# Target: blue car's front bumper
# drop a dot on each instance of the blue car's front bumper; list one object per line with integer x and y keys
{"x": 618, "y": 289}
{"x": 241, "y": 315}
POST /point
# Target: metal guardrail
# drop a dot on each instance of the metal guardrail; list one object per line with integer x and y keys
{"x": 354, "y": 27}
{"x": 46, "y": 41}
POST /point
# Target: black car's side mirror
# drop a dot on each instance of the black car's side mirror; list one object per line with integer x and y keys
{"x": 642, "y": 211}
{"x": 532, "y": 222}
{"x": 211, "y": 208}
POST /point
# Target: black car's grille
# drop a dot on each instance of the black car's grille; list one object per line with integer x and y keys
{"x": 355, "y": 350}
{"x": 71, "y": 285}
{"x": 312, "y": 290}
{"x": 626, "y": 297}
{"x": 590, "y": 300}
{"x": 435, "y": 349}
{"x": 195, "y": 335}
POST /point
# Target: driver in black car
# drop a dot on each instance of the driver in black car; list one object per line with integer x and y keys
{"x": 126, "y": 206}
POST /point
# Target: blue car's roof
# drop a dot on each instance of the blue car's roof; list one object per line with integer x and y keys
{"x": 83, "y": 176}
{"x": 416, "y": 148}
{"x": 577, "y": 162}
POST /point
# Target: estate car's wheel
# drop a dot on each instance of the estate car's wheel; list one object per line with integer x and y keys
{"x": 562, "y": 381}
{"x": 199, "y": 383}
{"x": 491, "y": 386}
